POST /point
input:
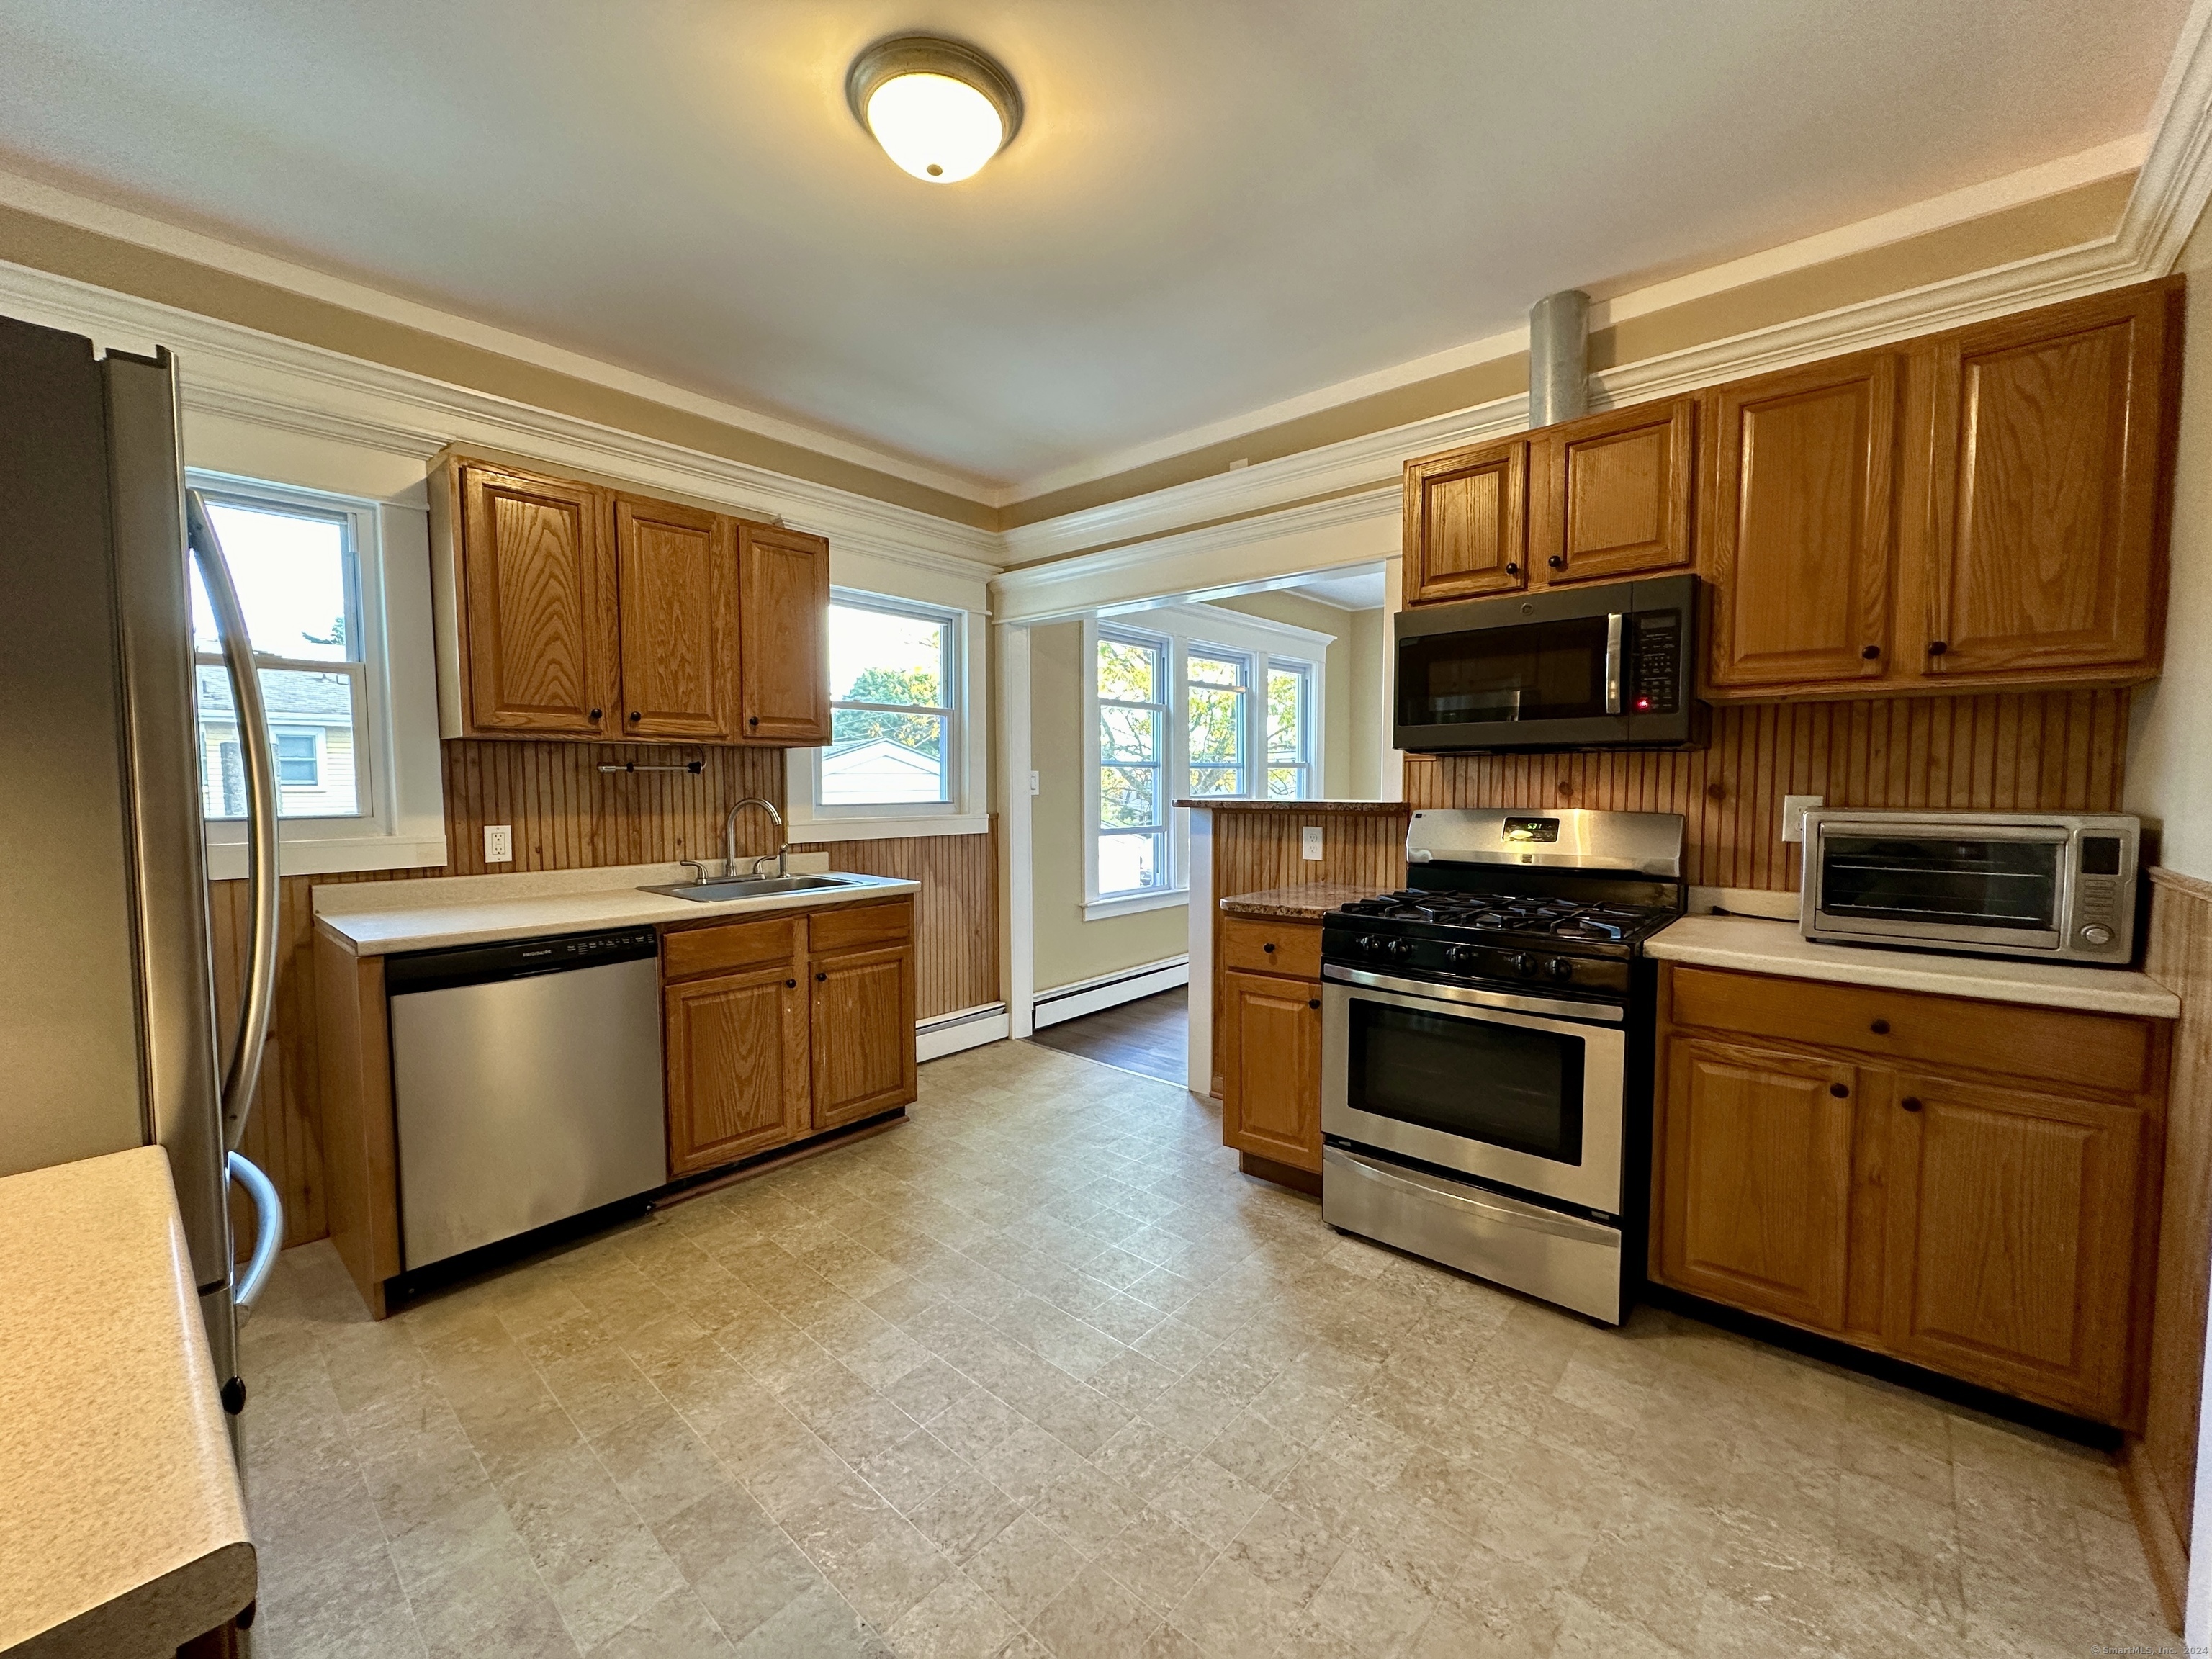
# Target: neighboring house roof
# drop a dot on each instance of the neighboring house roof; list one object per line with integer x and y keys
{"x": 876, "y": 769}
{"x": 320, "y": 699}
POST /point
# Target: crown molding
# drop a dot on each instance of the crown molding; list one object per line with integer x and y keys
{"x": 242, "y": 375}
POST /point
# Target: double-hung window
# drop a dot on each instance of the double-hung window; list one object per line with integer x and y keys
{"x": 1290, "y": 730}
{"x": 1218, "y": 700}
{"x": 892, "y": 670}
{"x": 296, "y": 567}
{"x": 1132, "y": 795}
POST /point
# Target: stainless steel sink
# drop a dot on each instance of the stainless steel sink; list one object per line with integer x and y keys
{"x": 740, "y": 887}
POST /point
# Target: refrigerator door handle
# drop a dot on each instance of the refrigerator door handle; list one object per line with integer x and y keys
{"x": 267, "y": 1232}
{"x": 259, "y": 995}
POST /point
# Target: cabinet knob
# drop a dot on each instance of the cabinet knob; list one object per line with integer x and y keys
{"x": 1512, "y": 569}
{"x": 752, "y": 720}
{"x": 1910, "y": 1102}
{"x": 1269, "y": 949}
{"x": 635, "y": 716}
{"x": 1870, "y": 652}
{"x": 822, "y": 976}
{"x": 1841, "y": 1090}
{"x": 1558, "y": 561}
{"x": 789, "y": 983}
{"x": 1936, "y": 647}
{"x": 1879, "y": 1028}
{"x": 1314, "y": 1003}
{"x": 595, "y": 714}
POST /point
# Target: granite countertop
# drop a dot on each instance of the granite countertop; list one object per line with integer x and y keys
{"x": 1306, "y": 901}
{"x": 122, "y": 1523}
{"x": 383, "y": 918}
{"x": 1381, "y": 809}
{"x": 1754, "y": 945}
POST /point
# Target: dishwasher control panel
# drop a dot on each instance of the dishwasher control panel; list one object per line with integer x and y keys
{"x": 516, "y": 958}
{"x": 586, "y": 947}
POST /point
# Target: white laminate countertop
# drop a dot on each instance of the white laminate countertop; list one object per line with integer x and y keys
{"x": 1754, "y": 945}
{"x": 383, "y": 918}
{"x": 122, "y": 1525}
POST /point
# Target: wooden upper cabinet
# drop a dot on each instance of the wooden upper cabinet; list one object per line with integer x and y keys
{"x": 784, "y": 653}
{"x": 736, "y": 1049}
{"x": 1270, "y": 1067}
{"x": 679, "y": 621}
{"x": 537, "y": 592}
{"x": 2012, "y": 1240}
{"x": 863, "y": 1033}
{"x": 1756, "y": 1178}
{"x": 2046, "y": 548}
{"x": 1796, "y": 516}
{"x": 1610, "y": 494}
{"x": 1467, "y": 523}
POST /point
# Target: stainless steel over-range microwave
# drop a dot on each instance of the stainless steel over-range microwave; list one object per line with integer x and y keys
{"x": 2058, "y": 885}
{"x": 1608, "y": 667}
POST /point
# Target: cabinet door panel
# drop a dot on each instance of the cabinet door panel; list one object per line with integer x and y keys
{"x": 736, "y": 1066}
{"x": 784, "y": 618}
{"x": 1757, "y": 1161}
{"x": 540, "y": 598}
{"x": 1467, "y": 523}
{"x": 677, "y": 588}
{"x": 1796, "y": 522}
{"x": 2044, "y": 486}
{"x": 863, "y": 1034}
{"x": 1271, "y": 1068}
{"x": 2012, "y": 1239}
{"x": 1614, "y": 497}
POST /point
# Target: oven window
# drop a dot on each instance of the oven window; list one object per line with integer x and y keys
{"x": 1535, "y": 671}
{"x": 1504, "y": 1086}
{"x": 1980, "y": 883}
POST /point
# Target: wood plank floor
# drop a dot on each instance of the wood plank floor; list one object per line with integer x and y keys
{"x": 1149, "y": 1036}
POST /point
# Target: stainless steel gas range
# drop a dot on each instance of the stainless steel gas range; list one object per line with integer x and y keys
{"x": 1487, "y": 1050}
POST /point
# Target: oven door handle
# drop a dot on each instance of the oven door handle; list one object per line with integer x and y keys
{"x": 1527, "y": 1217}
{"x": 1612, "y": 662}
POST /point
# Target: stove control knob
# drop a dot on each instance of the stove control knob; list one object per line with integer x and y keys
{"x": 1462, "y": 957}
{"x": 1559, "y": 970}
{"x": 1401, "y": 948}
{"x": 1369, "y": 944}
{"x": 1521, "y": 963}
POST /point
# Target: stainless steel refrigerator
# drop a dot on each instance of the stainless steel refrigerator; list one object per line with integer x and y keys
{"x": 108, "y": 1036}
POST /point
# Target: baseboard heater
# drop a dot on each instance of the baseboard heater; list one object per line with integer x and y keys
{"x": 1089, "y": 995}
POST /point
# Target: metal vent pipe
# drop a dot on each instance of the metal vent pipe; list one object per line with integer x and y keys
{"x": 1559, "y": 357}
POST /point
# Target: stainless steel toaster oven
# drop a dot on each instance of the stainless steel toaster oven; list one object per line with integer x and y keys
{"x": 2057, "y": 886}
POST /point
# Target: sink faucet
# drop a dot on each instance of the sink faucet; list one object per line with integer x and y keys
{"x": 730, "y": 837}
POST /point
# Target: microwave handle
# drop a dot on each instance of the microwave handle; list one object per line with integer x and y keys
{"x": 1613, "y": 663}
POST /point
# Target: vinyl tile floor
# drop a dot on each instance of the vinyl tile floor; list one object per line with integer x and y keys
{"x": 1039, "y": 1373}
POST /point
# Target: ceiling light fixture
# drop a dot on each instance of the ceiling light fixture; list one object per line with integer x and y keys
{"x": 939, "y": 108}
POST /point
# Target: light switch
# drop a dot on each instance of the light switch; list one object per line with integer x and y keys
{"x": 1309, "y": 841}
{"x": 1034, "y": 785}
{"x": 1794, "y": 808}
{"x": 499, "y": 843}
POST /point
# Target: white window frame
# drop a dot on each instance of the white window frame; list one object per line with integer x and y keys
{"x": 1248, "y": 665}
{"x": 965, "y": 780}
{"x": 1182, "y": 630}
{"x": 1168, "y": 703}
{"x": 1309, "y": 763}
{"x": 400, "y": 820}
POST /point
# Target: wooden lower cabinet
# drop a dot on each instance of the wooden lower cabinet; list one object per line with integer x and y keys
{"x": 775, "y": 1031}
{"x": 1757, "y": 1179}
{"x": 1270, "y": 1067}
{"x": 735, "y": 1047}
{"x": 1998, "y": 1228}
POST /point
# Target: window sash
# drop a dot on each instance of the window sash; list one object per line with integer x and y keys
{"x": 356, "y": 671}
{"x": 1156, "y": 769}
{"x": 946, "y": 713}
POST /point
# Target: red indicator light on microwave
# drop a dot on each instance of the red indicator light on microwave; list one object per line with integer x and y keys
{"x": 1644, "y": 702}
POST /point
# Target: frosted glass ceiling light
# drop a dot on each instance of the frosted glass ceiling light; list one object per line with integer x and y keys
{"x": 938, "y": 108}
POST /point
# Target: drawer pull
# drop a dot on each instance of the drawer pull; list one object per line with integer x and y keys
{"x": 1269, "y": 949}
{"x": 1879, "y": 1028}
{"x": 1841, "y": 1090}
{"x": 1910, "y": 1102}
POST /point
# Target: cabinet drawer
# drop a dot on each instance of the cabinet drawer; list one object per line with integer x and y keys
{"x": 1262, "y": 945}
{"x": 2050, "y": 1045}
{"x": 859, "y": 924}
{"x": 687, "y": 952}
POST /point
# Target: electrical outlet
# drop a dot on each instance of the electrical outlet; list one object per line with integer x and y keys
{"x": 1309, "y": 841}
{"x": 1794, "y": 808}
{"x": 1034, "y": 784}
{"x": 499, "y": 843}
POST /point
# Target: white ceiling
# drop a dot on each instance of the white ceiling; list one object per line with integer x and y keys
{"x": 1213, "y": 204}
{"x": 1355, "y": 590}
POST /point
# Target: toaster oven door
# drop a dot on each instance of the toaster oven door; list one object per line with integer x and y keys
{"x": 2004, "y": 886}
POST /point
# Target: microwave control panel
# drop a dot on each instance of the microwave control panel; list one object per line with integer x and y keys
{"x": 1654, "y": 673}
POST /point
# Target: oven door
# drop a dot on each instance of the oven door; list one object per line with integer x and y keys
{"x": 1519, "y": 1090}
{"x": 1998, "y": 885}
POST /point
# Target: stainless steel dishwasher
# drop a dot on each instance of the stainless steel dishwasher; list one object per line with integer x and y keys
{"x": 526, "y": 1077}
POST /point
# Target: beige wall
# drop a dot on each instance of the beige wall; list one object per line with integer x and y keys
{"x": 1336, "y": 673}
{"x": 2169, "y": 778}
{"x": 1068, "y": 948}
{"x": 1369, "y": 629}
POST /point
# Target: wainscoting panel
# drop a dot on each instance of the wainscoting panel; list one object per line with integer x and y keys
{"x": 955, "y": 913}
{"x": 1256, "y": 850}
{"x": 2017, "y": 751}
{"x": 2161, "y": 1467}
